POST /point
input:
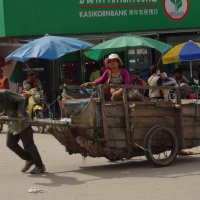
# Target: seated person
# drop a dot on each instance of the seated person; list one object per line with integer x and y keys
{"x": 187, "y": 92}
{"x": 166, "y": 81}
{"x": 114, "y": 74}
{"x": 95, "y": 74}
{"x": 136, "y": 80}
{"x": 31, "y": 82}
{"x": 4, "y": 83}
{"x": 155, "y": 80}
{"x": 179, "y": 77}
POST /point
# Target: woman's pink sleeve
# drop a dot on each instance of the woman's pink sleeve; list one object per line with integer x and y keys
{"x": 126, "y": 77}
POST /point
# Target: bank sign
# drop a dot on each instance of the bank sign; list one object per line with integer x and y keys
{"x": 97, "y": 16}
{"x": 137, "y": 15}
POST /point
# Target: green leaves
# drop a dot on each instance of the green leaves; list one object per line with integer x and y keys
{"x": 177, "y": 3}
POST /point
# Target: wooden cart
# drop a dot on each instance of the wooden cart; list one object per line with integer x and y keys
{"x": 127, "y": 128}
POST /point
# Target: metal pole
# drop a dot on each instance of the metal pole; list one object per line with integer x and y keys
{"x": 191, "y": 69}
{"x": 53, "y": 89}
{"x": 82, "y": 62}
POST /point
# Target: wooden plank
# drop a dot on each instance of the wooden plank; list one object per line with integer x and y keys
{"x": 87, "y": 133}
{"x": 117, "y": 133}
{"x": 139, "y": 110}
{"x": 49, "y": 122}
{"x": 104, "y": 117}
{"x": 114, "y": 122}
{"x": 190, "y": 122}
{"x": 113, "y": 103}
{"x": 127, "y": 118}
{"x": 149, "y": 122}
{"x": 148, "y": 111}
{"x": 189, "y": 110}
{"x": 188, "y": 119}
{"x": 165, "y": 104}
{"x": 140, "y": 133}
{"x": 115, "y": 144}
{"x": 190, "y": 132}
{"x": 114, "y": 110}
{"x": 179, "y": 118}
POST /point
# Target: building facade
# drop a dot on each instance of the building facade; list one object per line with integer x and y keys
{"x": 96, "y": 21}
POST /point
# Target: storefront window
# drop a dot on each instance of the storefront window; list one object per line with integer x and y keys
{"x": 69, "y": 73}
{"x": 139, "y": 61}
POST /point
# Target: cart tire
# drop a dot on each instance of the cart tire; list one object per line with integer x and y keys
{"x": 162, "y": 146}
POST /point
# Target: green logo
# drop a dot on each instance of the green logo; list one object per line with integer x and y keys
{"x": 177, "y": 4}
{"x": 176, "y": 9}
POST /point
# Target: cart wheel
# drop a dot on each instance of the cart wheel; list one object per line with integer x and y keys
{"x": 162, "y": 146}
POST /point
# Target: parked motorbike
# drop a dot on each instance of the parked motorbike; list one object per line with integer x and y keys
{"x": 36, "y": 105}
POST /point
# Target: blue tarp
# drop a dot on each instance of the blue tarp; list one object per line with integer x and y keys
{"x": 48, "y": 47}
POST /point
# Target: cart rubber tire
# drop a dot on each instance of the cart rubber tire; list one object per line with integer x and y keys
{"x": 156, "y": 146}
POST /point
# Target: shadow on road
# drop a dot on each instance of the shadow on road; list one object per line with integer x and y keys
{"x": 183, "y": 166}
{"x": 57, "y": 180}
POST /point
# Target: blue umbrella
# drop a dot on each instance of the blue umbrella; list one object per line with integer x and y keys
{"x": 188, "y": 51}
{"x": 48, "y": 47}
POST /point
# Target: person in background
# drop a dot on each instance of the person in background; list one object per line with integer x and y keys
{"x": 31, "y": 82}
{"x": 4, "y": 83}
{"x": 95, "y": 74}
{"x": 155, "y": 80}
{"x": 13, "y": 105}
{"x": 136, "y": 80}
{"x": 179, "y": 77}
{"x": 103, "y": 69}
{"x": 167, "y": 81}
{"x": 114, "y": 74}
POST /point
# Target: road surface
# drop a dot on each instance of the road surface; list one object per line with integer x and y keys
{"x": 74, "y": 178}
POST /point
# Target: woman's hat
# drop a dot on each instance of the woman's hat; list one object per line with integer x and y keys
{"x": 113, "y": 56}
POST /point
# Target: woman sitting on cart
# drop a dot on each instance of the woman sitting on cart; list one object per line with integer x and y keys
{"x": 114, "y": 74}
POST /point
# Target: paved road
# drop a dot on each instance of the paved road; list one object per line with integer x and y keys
{"x": 72, "y": 178}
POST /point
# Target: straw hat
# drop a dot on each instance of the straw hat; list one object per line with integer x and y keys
{"x": 113, "y": 56}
